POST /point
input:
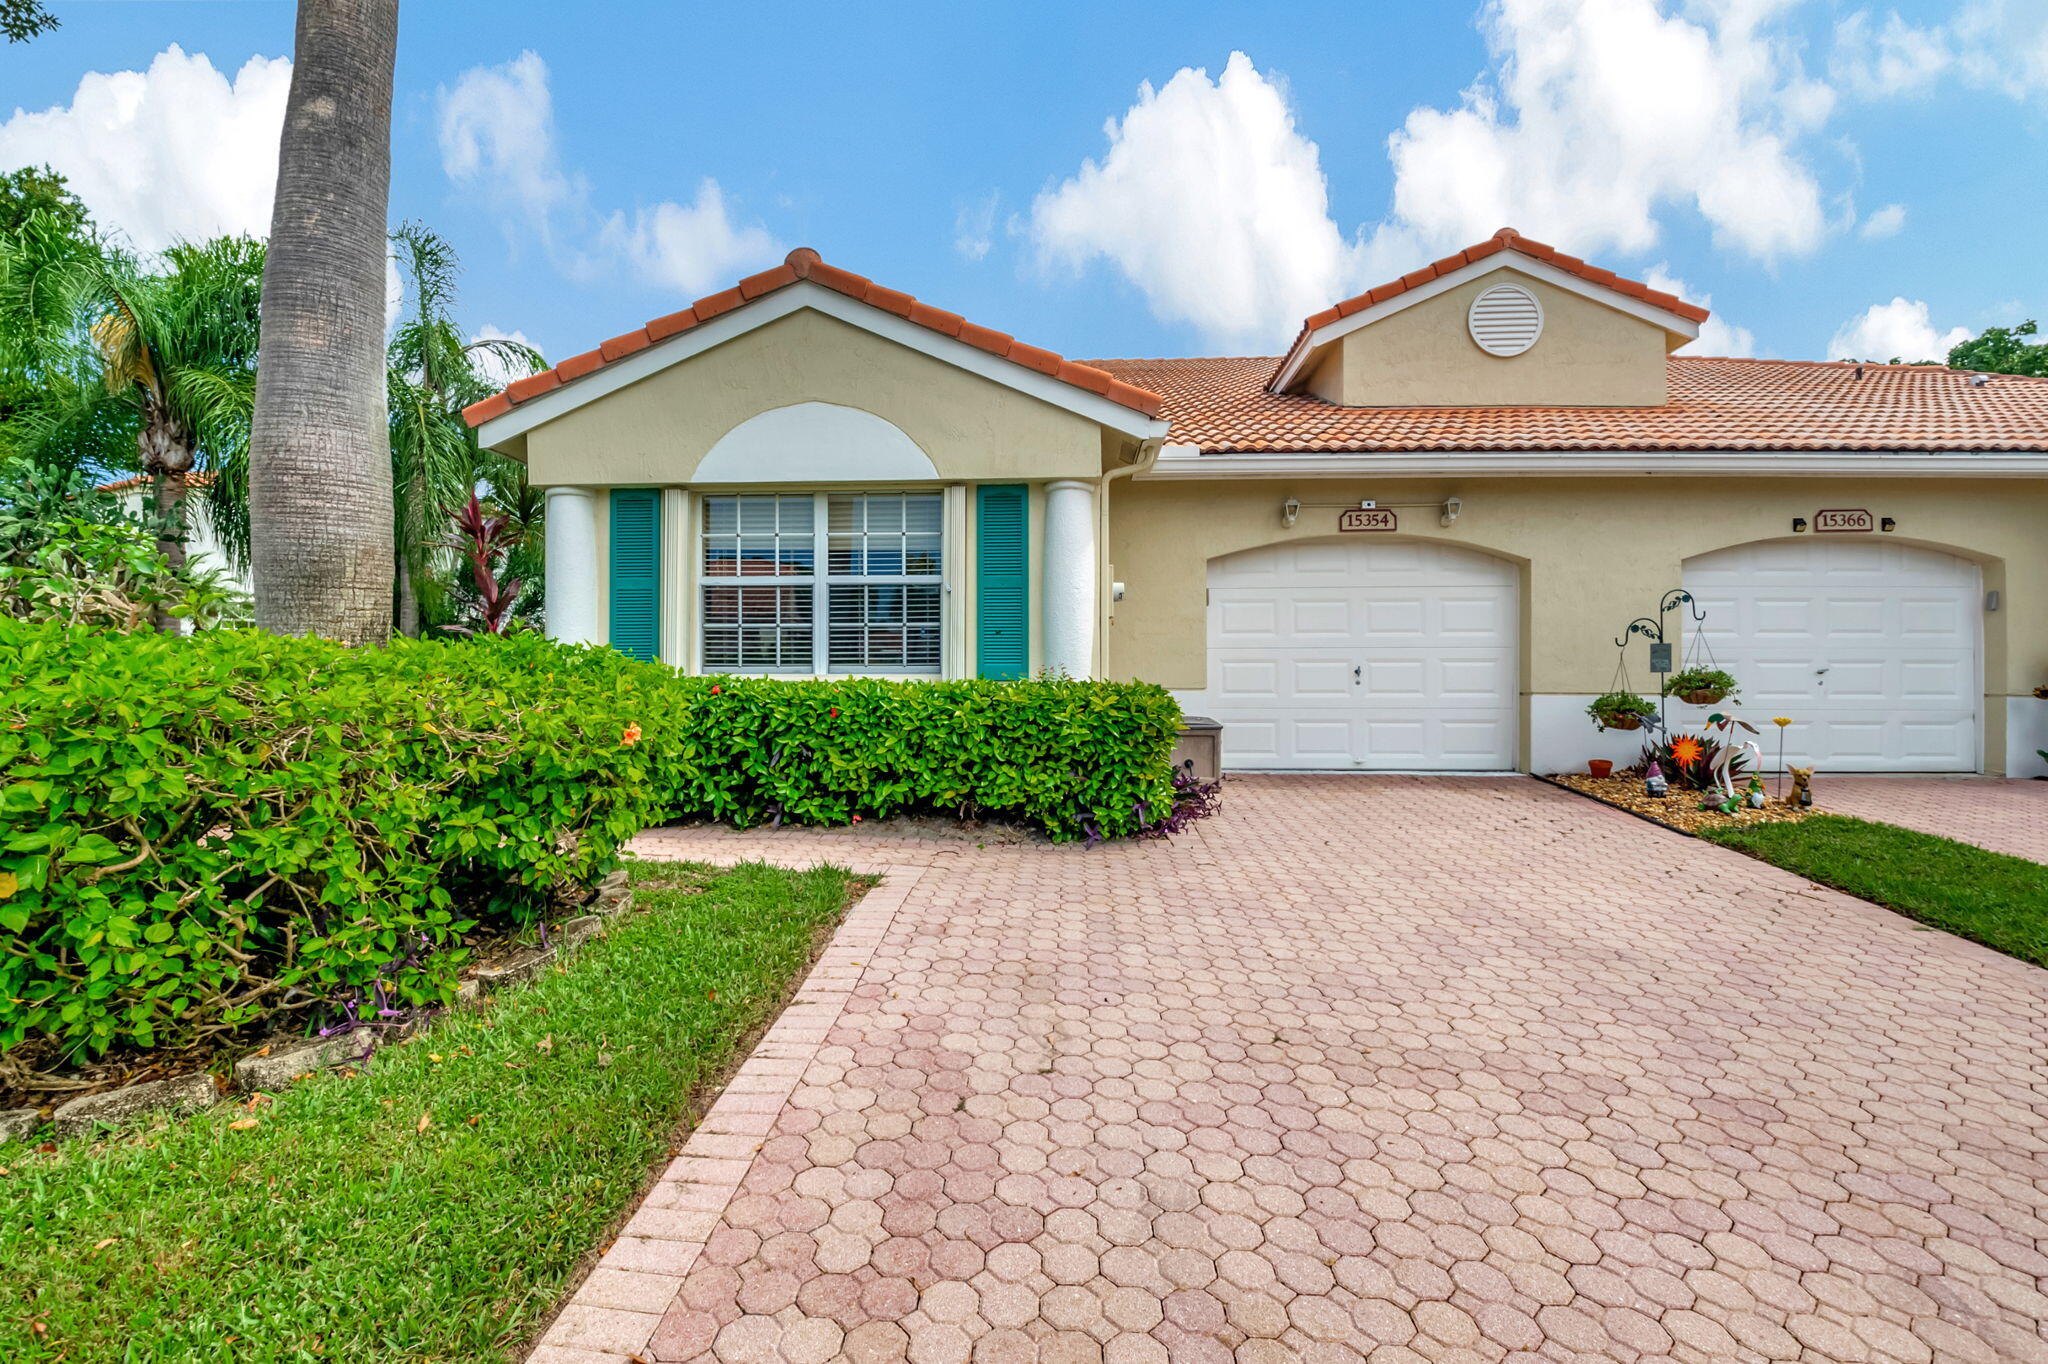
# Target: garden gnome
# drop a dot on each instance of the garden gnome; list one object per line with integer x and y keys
{"x": 1754, "y": 796}
{"x": 1653, "y": 780}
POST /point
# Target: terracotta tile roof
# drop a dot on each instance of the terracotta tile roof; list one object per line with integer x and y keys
{"x": 200, "y": 478}
{"x": 1507, "y": 239}
{"x": 1223, "y": 405}
{"x": 804, "y": 263}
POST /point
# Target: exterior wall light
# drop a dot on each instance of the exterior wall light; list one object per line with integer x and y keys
{"x": 1452, "y": 506}
{"x": 1289, "y": 511}
{"x": 1886, "y": 523}
{"x": 1798, "y": 524}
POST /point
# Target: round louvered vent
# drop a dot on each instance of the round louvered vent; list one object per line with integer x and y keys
{"x": 1505, "y": 320}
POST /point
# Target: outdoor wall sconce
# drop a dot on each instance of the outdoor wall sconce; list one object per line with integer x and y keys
{"x": 1452, "y": 506}
{"x": 1798, "y": 524}
{"x": 1290, "y": 511}
{"x": 1886, "y": 523}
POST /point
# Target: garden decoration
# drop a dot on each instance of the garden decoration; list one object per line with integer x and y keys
{"x": 1653, "y": 780}
{"x": 1802, "y": 786}
{"x": 1725, "y": 754}
{"x": 1754, "y": 796}
{"x": 1621, "y": 709}
{"x": 1781, "y": 721}
{"x": 1660, "y": 658}
{"x": 1701, "y": 682}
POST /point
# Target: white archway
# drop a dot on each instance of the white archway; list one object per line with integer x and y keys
{"x": 815, "y": 443}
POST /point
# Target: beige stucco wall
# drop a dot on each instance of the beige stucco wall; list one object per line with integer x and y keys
{"x": 1595, "y": 554}
{"x": 656, "y": 431}
{"x": 1424, "y": 356}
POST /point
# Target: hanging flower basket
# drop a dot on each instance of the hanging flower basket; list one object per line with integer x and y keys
{"x": 1620, "y": 710}
{"x": 1701, "y": 686}
{"x": 1629, "y": 720}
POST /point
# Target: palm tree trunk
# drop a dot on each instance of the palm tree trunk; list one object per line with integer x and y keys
{"x": 171, "y": 485}
{"x": 319, "y": 447}
{"x": 408, "y": 602}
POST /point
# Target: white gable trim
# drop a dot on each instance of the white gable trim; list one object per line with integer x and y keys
{"x": 1297, "y": 358}
{"x": 781, "y": 303}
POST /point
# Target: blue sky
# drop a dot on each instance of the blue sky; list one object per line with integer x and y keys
{"x": 1833, "y": 176}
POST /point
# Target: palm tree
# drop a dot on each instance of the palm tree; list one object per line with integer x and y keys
{"x": 320, "y": 497}
{"x": 431, "y": 375}
{"x": 117, "y": 365}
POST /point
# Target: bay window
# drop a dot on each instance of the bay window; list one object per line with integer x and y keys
{"x": 822, "y": 582}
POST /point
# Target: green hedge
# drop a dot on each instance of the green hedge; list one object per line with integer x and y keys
{"x": 196, "y": 832}
{"x": 1077, "y": 759}
{"x": 202, "y": 830}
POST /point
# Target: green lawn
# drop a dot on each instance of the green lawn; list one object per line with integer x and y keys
{"x": 339, "y": 1228}
{"x": 1996, "y": 900}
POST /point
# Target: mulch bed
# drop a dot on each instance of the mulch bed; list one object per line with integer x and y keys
{"x": 1677, "y": 809}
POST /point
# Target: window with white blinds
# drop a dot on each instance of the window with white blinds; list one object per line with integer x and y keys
{"x": 823, "y": 583}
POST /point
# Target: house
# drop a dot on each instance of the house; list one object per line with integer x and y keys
{"x": 203, "y": 548}
{"x": 1409, "y": 543}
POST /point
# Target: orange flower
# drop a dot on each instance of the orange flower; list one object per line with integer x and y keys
{"x": 1686, "y": 751}
{"x": 631, "y": 736}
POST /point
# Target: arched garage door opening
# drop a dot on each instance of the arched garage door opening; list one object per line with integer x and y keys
{"x": 1872, "y": 648}
{"x": 1363, "y": 654}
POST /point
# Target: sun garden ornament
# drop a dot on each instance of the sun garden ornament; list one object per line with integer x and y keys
{"x": 1781, "y": 721}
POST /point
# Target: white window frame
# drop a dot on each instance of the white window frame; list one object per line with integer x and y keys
{"x": 821, "y": 580}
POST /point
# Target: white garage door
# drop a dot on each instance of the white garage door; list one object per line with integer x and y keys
{"x": 1870, "y": 647}
{"x": 1362, "y": 654}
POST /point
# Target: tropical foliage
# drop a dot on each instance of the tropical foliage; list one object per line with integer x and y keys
{"x": 1617, "y": 706}
{"x": 2003, "y": 350}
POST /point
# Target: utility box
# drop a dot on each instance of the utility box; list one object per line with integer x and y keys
{"x": 1199, "y": 749}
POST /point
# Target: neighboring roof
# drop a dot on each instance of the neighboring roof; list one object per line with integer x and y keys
{"x": 804, "y": 264}
{"x": 1223, "y": 405}
{"x": 198, "y": 478}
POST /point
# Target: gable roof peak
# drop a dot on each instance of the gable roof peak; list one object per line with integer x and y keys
{"x": 806, "y": 264}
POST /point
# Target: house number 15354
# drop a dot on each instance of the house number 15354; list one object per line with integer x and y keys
{"x": 1366, "y": 518}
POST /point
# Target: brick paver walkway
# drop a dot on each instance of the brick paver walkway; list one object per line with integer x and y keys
{"x": 1367, "y": 1068}
{"x": 2004, "y": 816}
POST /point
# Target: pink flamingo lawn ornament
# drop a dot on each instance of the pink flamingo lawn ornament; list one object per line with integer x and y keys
{"x": 1724, "y": 754}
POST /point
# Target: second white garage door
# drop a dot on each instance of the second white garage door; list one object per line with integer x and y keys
{"x": 1361, "y": 655}
{"x": 1870, "y": 647}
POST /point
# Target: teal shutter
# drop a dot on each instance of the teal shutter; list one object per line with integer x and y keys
{"x": 1002, "y": 581}
{"x": 636, "y": 572}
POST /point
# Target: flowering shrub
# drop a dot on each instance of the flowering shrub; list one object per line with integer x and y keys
{"x": 199, "y": 832}
{"x": 195, "y": 832}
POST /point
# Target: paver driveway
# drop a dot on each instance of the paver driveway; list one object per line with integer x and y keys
{"x": 1386, "y": 1068}
{"x": 2004, "y": 816}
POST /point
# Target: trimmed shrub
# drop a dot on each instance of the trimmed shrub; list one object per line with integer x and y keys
{"x": 202, "y": 831}
{"x": 1078, "y": 759}
{"x": 199, "y": 832}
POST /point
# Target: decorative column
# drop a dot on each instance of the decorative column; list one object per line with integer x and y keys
{"x": 571, "y": 548}
{"x": 1069, "y": 561}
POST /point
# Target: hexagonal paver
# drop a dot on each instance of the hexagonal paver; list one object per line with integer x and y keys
{"x": 1387, "y": 1068}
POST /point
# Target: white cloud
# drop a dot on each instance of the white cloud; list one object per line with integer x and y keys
{"x": 1594, "y": 119}
{"x": 498, "y": 140}
{"x": 1999, "y": 45}
{"x": 175, "y": 152}
{"x": 1894, "y": 58}
{"x": 1886, "y": 222}
{"x": 1899, "y": 330}
{"x": 695, "y": 248}
{"x": 1212, "y": 203}
{"x": 1598, "y": 114}
{"x": 1718, "y": 336}
{"x": 497, "y": 132}
{"x": 974, "y": 226}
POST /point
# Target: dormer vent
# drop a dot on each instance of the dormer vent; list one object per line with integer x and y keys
{"x": 1505, "y": 320}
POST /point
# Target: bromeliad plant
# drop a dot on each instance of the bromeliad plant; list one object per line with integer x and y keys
{"x": 1620, "y": 710}
{"x": 1688, "y": 760}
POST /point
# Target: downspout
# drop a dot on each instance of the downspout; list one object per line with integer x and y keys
{"x": 1148, "y": 455}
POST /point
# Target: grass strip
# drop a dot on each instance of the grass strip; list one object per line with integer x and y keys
{"x": 1991, "y": 898}
{"x": 434, "y": 1207}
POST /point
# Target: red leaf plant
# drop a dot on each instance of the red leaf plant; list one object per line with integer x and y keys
{"x": 484, "y": 539}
